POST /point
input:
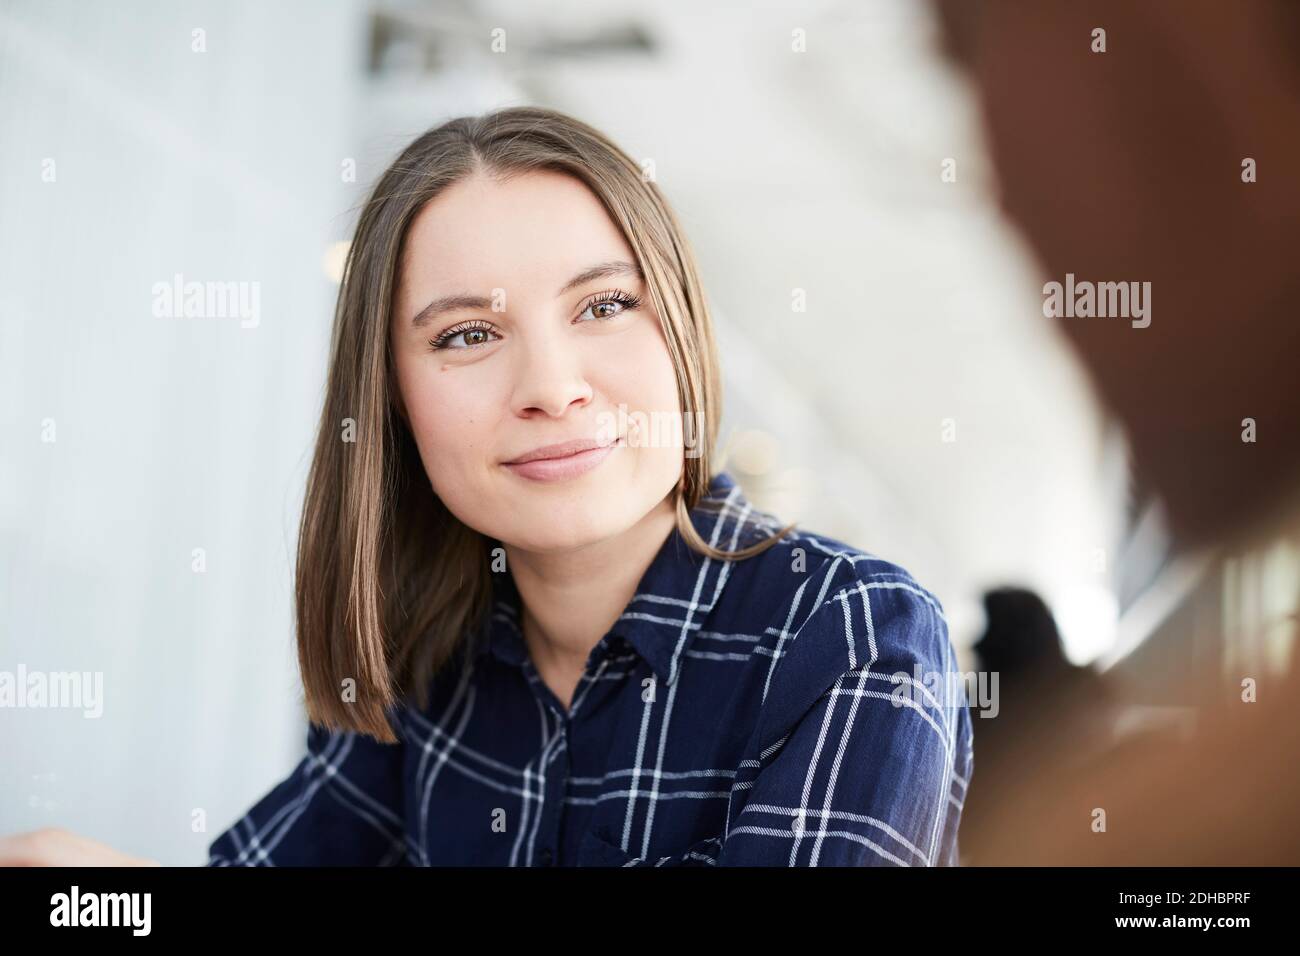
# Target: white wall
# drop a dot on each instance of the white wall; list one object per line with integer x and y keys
{"x": 170, "y": 433}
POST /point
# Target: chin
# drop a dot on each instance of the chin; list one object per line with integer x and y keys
{"x": 565, "y": 524}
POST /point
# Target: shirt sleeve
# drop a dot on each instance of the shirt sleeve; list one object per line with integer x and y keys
{"x": 873, "y": 772}
{"x": 341, "y": 806}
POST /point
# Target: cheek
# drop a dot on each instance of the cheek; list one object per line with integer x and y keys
{"x": 449, "y": 426}
{"x": 641, "y": 376}
{"x": 638, "y": 371}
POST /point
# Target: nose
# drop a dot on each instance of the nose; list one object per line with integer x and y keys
{"x": 550, "y": 378}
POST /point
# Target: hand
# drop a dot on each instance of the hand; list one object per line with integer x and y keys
{"x": 53, "y": 846}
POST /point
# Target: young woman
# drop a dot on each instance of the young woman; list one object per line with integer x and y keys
{"x": 534, "y": 626}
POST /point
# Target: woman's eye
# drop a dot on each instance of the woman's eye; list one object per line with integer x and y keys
{"x": 610, "y": 306}
{"x": 607, "y": 305}
{"x": 473, "y": 337}
{"x": 461, "y": 339}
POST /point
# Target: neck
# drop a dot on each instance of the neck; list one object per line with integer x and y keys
{"x": 570, "y": 600}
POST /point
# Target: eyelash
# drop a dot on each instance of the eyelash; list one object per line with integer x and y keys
{"x": 627, "y": 300}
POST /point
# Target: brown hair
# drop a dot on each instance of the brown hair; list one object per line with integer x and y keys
{"x": 377, "y": 603}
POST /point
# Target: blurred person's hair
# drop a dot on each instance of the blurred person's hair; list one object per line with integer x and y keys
{"x": 1165, "y": 156}
{"x": 1137, "y": 160}
{"x": 1020, "y": 635}
{"x": 388, "y": 581}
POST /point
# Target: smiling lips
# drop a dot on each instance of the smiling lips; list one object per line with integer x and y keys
{"x": 561, "y": 462}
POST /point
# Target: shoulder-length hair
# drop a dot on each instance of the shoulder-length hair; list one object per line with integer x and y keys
{"x": 388, "y": 581}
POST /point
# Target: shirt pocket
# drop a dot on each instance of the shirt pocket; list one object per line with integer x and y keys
{"x": 596, "y": 849}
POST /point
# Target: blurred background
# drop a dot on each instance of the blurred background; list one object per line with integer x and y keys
{"x": 151, "y": 471}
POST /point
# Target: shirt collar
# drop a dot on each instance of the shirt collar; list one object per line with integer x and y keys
{"x": 674, "y": 597}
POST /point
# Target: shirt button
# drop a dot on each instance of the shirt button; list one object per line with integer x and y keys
{"x": 546, "y": 857}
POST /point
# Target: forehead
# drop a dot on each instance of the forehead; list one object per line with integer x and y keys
{"x": 534, "y": 227}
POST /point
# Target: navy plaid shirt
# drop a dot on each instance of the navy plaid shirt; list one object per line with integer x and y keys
{"x": 777, "y": 710}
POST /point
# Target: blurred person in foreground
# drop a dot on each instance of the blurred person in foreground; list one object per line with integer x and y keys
{"x": 1169, "y": 158}
{"x": 1040, "y": 695}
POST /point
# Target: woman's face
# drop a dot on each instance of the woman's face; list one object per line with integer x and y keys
{"x": 506, "y": 341}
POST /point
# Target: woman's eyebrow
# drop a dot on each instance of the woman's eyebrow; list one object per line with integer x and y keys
{"x": 602, "y": 271}
{"x": 450, "y": 303}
